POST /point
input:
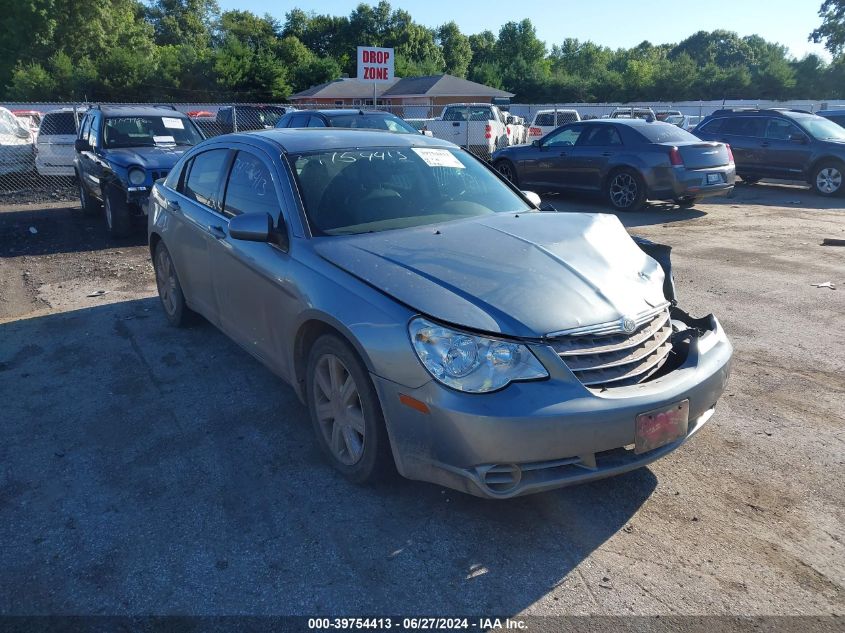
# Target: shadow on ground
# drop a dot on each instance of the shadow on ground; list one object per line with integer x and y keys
{"x": 153, "y": 470}
{"x": 58, "y": 230}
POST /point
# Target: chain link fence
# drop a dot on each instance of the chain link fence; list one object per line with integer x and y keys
{"x": 37, "y": 140}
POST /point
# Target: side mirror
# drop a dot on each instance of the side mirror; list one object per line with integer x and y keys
{"x": 81, "y": 145}
{"x": 535, "y": 143}
{"x": 251, "y": 227}
{"x": 533, "y": 198}
{"x": 427, "y": 133}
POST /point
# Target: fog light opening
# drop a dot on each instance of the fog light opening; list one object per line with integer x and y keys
{"x": 502, "y": 477}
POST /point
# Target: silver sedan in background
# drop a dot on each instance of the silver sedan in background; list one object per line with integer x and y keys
{"x": 432, "y": 317}
{"x": 628, "y": 161}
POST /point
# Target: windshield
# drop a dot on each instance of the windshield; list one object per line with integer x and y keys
{"x": 148, "y": 131}
{"x": 476, "y": 113}
{"x": 355, "y": 191}
{"x": 665, "y": 133}
{"x": 373, "y": 122}
{"x": 822, "y": 129}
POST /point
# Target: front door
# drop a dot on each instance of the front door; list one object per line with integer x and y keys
{"x": 787, "y": 148}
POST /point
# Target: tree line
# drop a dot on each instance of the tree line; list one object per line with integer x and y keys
{"x": 190, "y": 50}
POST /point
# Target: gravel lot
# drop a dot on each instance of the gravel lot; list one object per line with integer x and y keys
{"x": 151, "y": 470}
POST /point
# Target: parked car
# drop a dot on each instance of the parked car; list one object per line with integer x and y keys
{"x": 369, "y": 119}
{"x": 635, "y": 112}
{"x": 242, "y": 118}
{"x": 683, "y": 121}
{"x": 837, "y": 115}
{"x": 54, "y": 150}
{"x": 30, "y": 119}
{"x": 121, "y": 151}
{"x": 787, "y": 144}
{"x": 17, "y": 154}
{"x": 480, "y": 127}
{"x": 547, "y": 120}
{"x": 516, "y": 129}
{"x": 429, "y": 315}
{"x": 628, "y": 160}
{"x": 200, "y": 114}
{"x": 662, "y": 115}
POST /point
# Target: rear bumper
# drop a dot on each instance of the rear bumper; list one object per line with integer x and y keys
{"x": 535, "y": 436}
{"x": 692, "y": 183}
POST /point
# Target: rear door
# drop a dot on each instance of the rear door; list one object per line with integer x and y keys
{"x": 787, "y": 148}
{"x": 596, "y": 147}
{"x": 746, "y": 135}
{"x": 197, "y": 225}
{"x": 251, "y": 278}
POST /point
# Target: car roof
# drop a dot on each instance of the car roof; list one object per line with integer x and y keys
{"x": 832, "y": 111}
{"x": 551, "y": 110}
{"x": 297, "y": 140}
{"x": 341, "y": 111}
{"x": 142, "y": 110}
{"x": 791, "y": 114}
{"x": 628, "y": 122}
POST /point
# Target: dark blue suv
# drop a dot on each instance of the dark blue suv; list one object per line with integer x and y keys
{"x": 121, "y": 151}
{"x": 785, "y": 144}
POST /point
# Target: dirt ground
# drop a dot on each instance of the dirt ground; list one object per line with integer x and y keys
{"x": 145, "y": 469}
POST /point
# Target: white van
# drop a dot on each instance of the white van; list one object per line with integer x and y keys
{"x": 54, "y": 152}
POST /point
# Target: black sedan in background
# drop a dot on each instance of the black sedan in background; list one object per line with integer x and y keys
{"x": 628, "y": 160}
{"x": 366, "y": 119}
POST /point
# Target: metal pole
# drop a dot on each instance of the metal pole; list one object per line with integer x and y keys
{"x": 374, "y": 95}
{"x": 234, "y": 118}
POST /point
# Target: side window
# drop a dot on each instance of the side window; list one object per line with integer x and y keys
{"x": 713, "y": 126}
{"x": 250, "y": 187}
{"x": 316, "y": 121}
{"x": 780, "y": 130}
{"x": 601, "y": 136}
{"x": 565, "y": 137}
{"x": 94, "y": 130}
{"x": 86, "y": 127}
{"x": 204, "y": 173}
{"x": 298, "y": 120}
{"x": 754, "y": 126}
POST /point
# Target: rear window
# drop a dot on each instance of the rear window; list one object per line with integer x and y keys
{"x": 373, "y": 122}
{"x": 665, "y": 133}
{"x": 754, "y": 126}
{"x": 546, "y": 119}
{"x": 475, "y": 114}
{"x": 58, "y": 123}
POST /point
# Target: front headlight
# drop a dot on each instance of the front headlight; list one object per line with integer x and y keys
{"x": 472, "y": 363}
{"x": 137, "y": 176}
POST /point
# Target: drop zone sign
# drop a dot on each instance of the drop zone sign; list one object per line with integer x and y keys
{"x": 375, "y": 64}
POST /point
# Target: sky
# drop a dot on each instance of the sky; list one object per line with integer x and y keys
{"x": 613, "y": 23}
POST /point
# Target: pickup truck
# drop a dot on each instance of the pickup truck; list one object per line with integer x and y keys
{"x": 481, "y": 128}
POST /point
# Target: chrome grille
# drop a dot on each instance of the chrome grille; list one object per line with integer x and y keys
{"x": 617, "y": 359}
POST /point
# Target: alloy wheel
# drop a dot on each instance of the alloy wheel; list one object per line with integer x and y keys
{"x": 829, "y": 180}
{"x": 506, "y": 171}
{"x": 623, "y": 190}
{"x": 339, "y": 410}
{"x": 166, "y": 282}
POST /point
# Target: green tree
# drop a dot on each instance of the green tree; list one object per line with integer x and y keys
{"x": 832, "y": 29}
{"x": 457, "y": 52}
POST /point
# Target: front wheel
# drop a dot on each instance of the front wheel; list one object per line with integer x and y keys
{"x": 625, "y": 190}
{"x": 827, "y": 179}
{"x": 116, "y": 211}
{"x": 345, "y": 412}
{"x": 506, "y": 168}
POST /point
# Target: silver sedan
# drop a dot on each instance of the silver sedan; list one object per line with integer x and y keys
{"x": 434, "y": 319}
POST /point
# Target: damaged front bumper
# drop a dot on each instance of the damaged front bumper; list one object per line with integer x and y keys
{"x": 535, "y": 436}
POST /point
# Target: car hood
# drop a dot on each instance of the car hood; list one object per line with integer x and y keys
{"x": 524, "y": 275}
{"x": 147, "y": 157}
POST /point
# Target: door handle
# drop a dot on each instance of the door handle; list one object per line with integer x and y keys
{"x": 563, "y": 153}
{"x": 218, "y": 232}
{"x": 607, "y": 153}
{"x": 173, "y": 205}
{"x": 764, "y": 144}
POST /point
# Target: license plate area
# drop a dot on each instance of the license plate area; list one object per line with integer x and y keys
{"x": 713, "y": 179}
{"x": 661, "y": 426}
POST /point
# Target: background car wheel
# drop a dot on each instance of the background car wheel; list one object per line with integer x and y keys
{"x": 686, "y": 203}
{"x": 507, "y": 169}
{"x": 750, "y": 180}
{"x": 90, "y": 206}
{"x": 827, "y": 179}
{"x": 346, "y": 412}
{"x": 116, "y": 211}
{"x": 625, "y": 190}
{"x": 169, "y": 289}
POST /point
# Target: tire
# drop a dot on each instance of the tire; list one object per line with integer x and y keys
{"x": 686, "y": 203}
{"x": 169, "y": 289}
{"x": 508, "y": 170}
{"x": 350, "y": 429}
{"x": 90, "y": 206}
{"x": 827, "y": 179}
{"x": 116, "y": 212}
{"x": 750, "y": 180}
{"x": 625, "y": 190}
